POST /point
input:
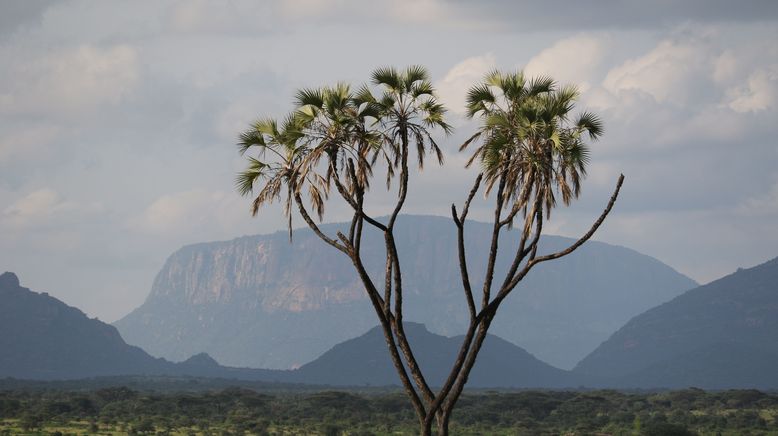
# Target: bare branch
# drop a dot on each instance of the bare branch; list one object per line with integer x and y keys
{"x": 534, "y": 261}
{"x": 460, "y": 223}
{"x": 522, "y": 251}
{"x": 470, "y": 196}
{"x": 312, "y": 224}
{"x": 493, "y": 247}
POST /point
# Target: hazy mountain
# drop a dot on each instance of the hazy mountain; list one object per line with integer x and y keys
{"x": 365, "y": 360}
{"x": 260, "y": 301}
{"x": 43, "y": 338}
{"x": 720, "y": 335}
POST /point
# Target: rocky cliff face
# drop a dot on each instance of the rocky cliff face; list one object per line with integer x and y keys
{"x": 260, "y": 301}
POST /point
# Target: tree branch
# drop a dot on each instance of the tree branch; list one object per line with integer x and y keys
{"x": 487, "y": 289}
{"x": 460, "y": 223}
{"x": 534, "y": 261}
{"x": 312, "y": 224}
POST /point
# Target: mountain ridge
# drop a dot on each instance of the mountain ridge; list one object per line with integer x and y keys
{"x": 709, "y": 335}
{"x": 260, "y": 301}
{"x": 49, "y": 340}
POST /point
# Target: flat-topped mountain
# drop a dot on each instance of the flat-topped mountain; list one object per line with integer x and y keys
{"x": 720, "y": 335}
{"x": 259, "y": 301}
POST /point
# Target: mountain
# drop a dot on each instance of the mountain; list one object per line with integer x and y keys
{"x": 42, "y": 338}
{"x": 365, "y": 361}
{"x": 259, "y": 301}
{"x": 720, "y": 335}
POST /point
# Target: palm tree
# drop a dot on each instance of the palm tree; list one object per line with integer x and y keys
{"x": 277, "y": 164}
{"x": 527, "y": 140}
{"x": 529, "y": 151}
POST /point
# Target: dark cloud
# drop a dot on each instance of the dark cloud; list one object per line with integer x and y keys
{"x": 566, "y": 15}
{"x": 15, "y": 13}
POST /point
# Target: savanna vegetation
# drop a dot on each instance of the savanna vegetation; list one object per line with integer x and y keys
{"x": 240, "y": 411}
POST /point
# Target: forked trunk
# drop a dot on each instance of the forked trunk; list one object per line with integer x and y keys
{"x": 442, "y": 422}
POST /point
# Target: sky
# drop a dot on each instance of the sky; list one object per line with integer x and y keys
{"x": 118, "y": 121}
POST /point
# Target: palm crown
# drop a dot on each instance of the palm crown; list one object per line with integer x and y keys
{"x": 528, "y": 142}
{"x": 335, "y": 135}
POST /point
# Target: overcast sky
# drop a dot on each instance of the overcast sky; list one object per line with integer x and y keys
{"x": 118, "y": 121}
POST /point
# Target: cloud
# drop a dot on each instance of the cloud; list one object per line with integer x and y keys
{"x": 571, "y": 60}
{"x": 70, "y": 81}
{"x": 34, "y": 206}
{"x": 179, "y": 213}
{"x": 545, "y": 15}
{"x": 135, "y": 106}
{"x": 208, "y": 213}
{"x": 44, "y": 207}
{"x": 758, "y": 93}
{"x": 453, "y": 88}
{"x": 17, "y": 14}
{"x": 668, "y": 73}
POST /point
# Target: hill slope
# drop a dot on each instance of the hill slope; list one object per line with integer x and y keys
{"x": 365, "y": 361}
{"x": 720, "y": 335}
{"x": 41, "y": 338}
{"x": 260, "y": 301}
{"x": 44, "y": 339}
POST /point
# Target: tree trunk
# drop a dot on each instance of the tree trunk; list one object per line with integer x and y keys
{"x": 426, "y": 429}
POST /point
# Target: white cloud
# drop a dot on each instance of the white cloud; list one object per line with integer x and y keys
{"x": 44, "y": 207}
{"x": 725, "y": 67}
{"x": 71, "y": 81}
{"x": 455, "y": 84}
{"x": 757, "y": 94}
{"x": 572, "y": 60}
{"x": 40, "y": 203}
{"x": 179, "y": 213}
{"x": 668, "y": 73}
{"x": 209, "y": 214}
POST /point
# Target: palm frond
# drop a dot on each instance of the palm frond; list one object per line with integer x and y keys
{"x": 591, "y": 124}
{"x": 477, "y": 98}
{"x": 248, "y": 139}
{"x": 309, "y": 96}
{"x": 244, "y": 181}
{"x": 387, "y": 76}
{"x": 540, "y": 85}
{"x": 413, "y": 74}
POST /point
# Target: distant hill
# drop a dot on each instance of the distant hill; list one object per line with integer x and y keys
{"x": 42, "y": 338}
{"x": 260, "y": 301}
{"x": 365, "y": 361}
{"x": 720, "y": 335}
